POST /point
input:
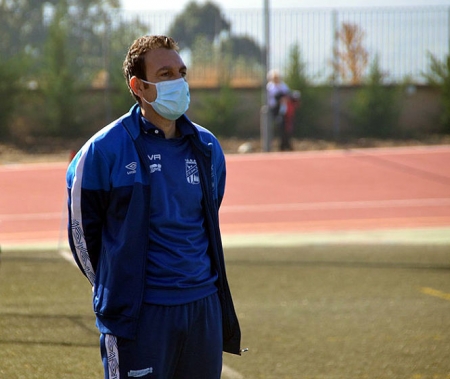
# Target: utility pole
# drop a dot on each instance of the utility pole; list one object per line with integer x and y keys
{"x": 265, "y": 121}
{"x": 336, "y": 100}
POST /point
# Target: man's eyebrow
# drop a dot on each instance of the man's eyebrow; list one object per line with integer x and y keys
{"x": 169, "y": 68}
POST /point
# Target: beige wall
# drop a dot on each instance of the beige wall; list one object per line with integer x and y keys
{"x": 420, "y": 109}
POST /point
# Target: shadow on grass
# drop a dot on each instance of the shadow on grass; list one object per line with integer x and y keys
{"x": 45, "y": 323}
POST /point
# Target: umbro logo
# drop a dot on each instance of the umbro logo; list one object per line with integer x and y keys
{"x": 140, "y": 373}
{"x": 131, "y": 167}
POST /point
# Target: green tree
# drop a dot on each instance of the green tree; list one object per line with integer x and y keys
{"x": 9, "y": 91}
{"x": 297, "y": 79}
{"x": 58, "y": 80}
{"x": 217, "y": 111}
{"x": 241, "y": 46}
{"x": 90, "y": 26}
{"x": 198, "y": 20}
{"x": 80, "y": 51}
{"x": 375, "y": 109}
{"x": 24, "y": 27}
{"x": 439, "y": 76}
{"x": 216, "y": 56}
{"x": 352, "y": 57}
{"x": 120, "y": 38}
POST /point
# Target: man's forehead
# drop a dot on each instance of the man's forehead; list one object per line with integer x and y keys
{"x": 163, "y": 58}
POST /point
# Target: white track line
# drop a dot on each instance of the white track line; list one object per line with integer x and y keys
{"x": 14, "y": 167}
{"x": 30, "y": 216}
{"x": 439, "y": 202}
{"x": 406, "y": 203}
{"x": 402, "y": 150}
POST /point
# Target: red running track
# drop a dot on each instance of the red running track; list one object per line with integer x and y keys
{"x": 269, "y": 193}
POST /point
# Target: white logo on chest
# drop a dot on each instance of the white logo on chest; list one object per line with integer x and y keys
{"x": 192, "y": 176}
{"x": 154, "y": 166}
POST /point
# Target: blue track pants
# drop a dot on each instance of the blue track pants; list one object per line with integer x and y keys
{"x": 173, "y": 342}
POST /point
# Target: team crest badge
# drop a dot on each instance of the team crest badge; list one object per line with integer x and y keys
{"x": 192, "y": 171}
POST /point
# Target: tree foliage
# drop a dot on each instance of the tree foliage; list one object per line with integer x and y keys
{"x": 9, "y": 92}
{"x": 241, "y": 46}
{"x": 439, "y": 76}
{"x": 24, "y": 27}
{"x": 58, "y": 81}
{"x": 352, "y": 58}
{"x": 297, "y": 79}
{"x": 66, "y": 44}
{"x": 217, "y": 57}
{"x": 217, "y": 111}
{"x": 375, "y": 109}
{"x": 198, "y": 20}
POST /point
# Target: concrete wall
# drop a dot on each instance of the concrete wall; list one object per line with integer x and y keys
{"x": 419, "y": 111}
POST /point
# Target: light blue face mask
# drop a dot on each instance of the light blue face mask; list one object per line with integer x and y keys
{"x": 172, "y": 98}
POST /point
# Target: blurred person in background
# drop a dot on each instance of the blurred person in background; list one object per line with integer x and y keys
{"x": 144, "y": 196}
{"x": 277, "y": 89}
{"x": 288, "y": 107}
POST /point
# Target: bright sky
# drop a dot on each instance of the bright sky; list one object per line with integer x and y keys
{"x": 178, "y": 5}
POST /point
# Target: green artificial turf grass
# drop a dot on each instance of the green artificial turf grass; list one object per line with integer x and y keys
{"x": 317, "y": 312}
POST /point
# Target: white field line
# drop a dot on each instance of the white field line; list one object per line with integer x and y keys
{"x": 227, "y": 372}
{"x": 67, "y": 255}
{"x": 373, "y": 204}
{"x": 407, "y": 203}
{"x": 30, "y": 216}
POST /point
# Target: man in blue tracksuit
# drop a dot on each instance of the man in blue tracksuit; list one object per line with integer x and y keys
{"x": 144, "y": 195}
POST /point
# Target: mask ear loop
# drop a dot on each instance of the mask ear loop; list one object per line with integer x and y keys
{"x": 133, "y": 85}
{"x": 143, "y": 98}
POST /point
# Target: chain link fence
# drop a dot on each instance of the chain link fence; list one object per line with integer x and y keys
{"x": 401, "y": 39}
{"x": 77, "y": 58}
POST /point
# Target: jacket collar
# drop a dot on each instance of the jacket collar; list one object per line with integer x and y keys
{"x": 132, "y": 122}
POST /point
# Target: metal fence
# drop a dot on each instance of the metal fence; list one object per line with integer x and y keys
{"x": 401, "y": 39}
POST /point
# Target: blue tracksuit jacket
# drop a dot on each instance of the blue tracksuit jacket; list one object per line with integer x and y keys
{"x": 108, "y": 200}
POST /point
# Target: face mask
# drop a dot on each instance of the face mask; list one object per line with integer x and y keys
{"x": 172, "y": 98}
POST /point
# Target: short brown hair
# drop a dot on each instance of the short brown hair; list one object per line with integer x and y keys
{"x": 134, "y": 63}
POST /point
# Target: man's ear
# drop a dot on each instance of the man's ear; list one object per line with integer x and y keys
{"x": 135, "y": 85}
